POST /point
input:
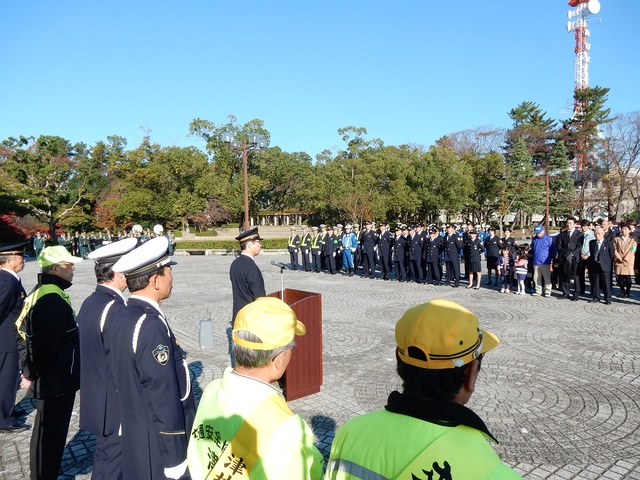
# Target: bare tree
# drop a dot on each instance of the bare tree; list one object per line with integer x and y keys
{"x": 619, "y": 159}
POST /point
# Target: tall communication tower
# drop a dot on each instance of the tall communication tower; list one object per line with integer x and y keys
{"x": 584, "y": 8}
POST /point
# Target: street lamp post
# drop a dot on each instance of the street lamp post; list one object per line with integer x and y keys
{"x": 254, "y": 143}
{"x": 547, "y": 174}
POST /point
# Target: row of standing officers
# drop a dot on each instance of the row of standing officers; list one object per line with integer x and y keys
{"x": 412, "y": 252}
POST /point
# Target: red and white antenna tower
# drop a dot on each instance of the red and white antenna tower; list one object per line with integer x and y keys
{"x": 580, "y": 27}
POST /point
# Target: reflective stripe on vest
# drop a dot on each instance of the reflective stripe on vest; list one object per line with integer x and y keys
{"x": 31, "y": 300}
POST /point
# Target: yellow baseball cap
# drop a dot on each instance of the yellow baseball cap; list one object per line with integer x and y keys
{"x": 58, "y": 254}
{"x": 271, "y": 320}
{"x": 441, "y": 334}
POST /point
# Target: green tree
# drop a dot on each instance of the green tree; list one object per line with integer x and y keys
{"x": 48, "y": 177}
{"x": 225, "y": 170}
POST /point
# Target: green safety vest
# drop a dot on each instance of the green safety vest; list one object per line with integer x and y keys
{"x": 32, "y": 298}
{"x": 361, "y": 450}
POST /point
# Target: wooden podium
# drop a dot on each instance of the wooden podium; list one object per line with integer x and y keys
{"x": 304, "y": 374}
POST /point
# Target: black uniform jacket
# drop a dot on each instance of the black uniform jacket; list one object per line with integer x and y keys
{"x": 247, "y": 283}
{"x": 55, "y": 343}
{"x": 452, "y": 245}
{"x": 601, "y": 261}
{"x": 12, "y": 296}
{"x": 154, "y": 390}
{"x": 99, "y": 413}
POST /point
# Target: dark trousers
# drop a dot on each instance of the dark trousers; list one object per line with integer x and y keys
{"x": 304, "y": 254}
{"x": 435, "y": 270}
{"x": 582, "y": 266}
{"x": 400, "y": 270}
{"x": 453, "y": 272}
{"x": 369, "y": 263}
{"x": 565, "y": 280}
{"x": 9, "y": 380}
{"x": 385, "y": 265}
{"x": 330, "y": 260}
{"x": 317, "y": 262}
{"x": 416, "y": 270}
{"x": 600, "y": 281}
{"x": 293, "y": 256}
{"x": 50, "y": 436}
{"x": 624, "y": 282}
{"x": 107, "y": 461}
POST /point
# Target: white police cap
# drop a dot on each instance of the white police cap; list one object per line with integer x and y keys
{"x": 148, "y": 258}
{"x": 158, "y": 229}
{"x": 112, "y": 252}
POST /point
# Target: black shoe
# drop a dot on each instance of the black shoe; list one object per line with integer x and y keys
{"x": 15, "y": 428}
{"x": 594, "y": 300}
{"x": 607, "y": 302}
{"x": 563, "y": 297}
{"x": 574, "y": 298}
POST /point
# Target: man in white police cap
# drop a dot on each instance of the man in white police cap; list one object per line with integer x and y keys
{"x": 99, "y": 413}
{"x": 150, "y": 370}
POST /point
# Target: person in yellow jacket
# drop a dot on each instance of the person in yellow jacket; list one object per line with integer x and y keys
{"x": 425, "y": 432}
{"x": 243, "y": 427}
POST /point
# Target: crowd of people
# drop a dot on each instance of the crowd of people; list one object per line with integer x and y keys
{"x": 436, "y": 255}
{"x": 81, "y": 243}
{"x": 136, "y": 388}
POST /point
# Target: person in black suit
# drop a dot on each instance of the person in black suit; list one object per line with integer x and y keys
{"x": 247, "y": 282}
{"x": 601, "y": 257}
{"x": 433, "y": 255}
{"x": 293, "y": 246}
{"x": 12, "y": 296}
{"x": 385, "y": 245}
{"x": 569, "y": 246}
{"x": 330, "y": 250}
{"x": 369, "y": 242}
{"x": 399, "y": 247}
{"x": 452, "y": 246}
{"x": 416, "y": 247}
{"x": 99, "y": 413}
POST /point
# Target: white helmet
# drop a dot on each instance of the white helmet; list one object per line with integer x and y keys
{"x": 157, "y": 229}
{"x": 136, "y": 228}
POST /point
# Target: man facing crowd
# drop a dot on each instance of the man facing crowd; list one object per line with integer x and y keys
{"x": 425, "y": 431}
{"x": 243, "y": 425}
{"x": 247, "y": 282}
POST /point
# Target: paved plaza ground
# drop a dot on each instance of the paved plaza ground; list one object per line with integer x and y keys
{"x": 561, "y": 392}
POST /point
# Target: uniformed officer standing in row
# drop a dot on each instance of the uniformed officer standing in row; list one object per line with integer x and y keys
{"x": 452, "y": 246}
{"x": 433, "y": 256}
{"x": 316, "y": 250}
{"x": 398, "y": 256}
{"x": 357, "y": 257}
{"x": 12, "y": 296}
{"x": 385, "y": 245}
{"x": 293, "y": 246}
{"x": 150, "y": 370}
{"x": 416, "y": 247}
{"x": 305, "y": 245}
{"x": 369, "y": 243}
{"x": 329, "y": 249}
{"x": 99, "y": 412}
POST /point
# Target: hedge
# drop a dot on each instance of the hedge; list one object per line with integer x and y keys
{"x": 267, "y": 244}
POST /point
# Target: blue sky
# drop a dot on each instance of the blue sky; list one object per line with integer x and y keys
{"x": 407, "y": 71}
